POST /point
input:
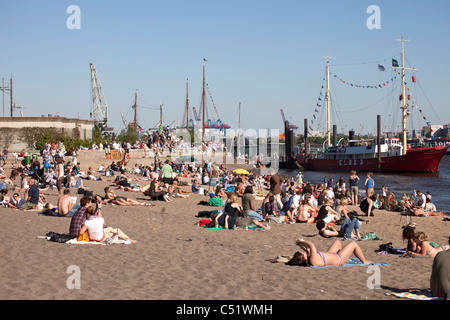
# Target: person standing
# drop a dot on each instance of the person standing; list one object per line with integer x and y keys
{"x": 370, "y": 184}
{"x": 167, "y": 173}
{"x": 60, "y": 177}
{"x": 353, "y": 183}
{"x": 275, "y": 189}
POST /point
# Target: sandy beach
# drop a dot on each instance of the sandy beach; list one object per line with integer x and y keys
{"x": 174, "y": 259}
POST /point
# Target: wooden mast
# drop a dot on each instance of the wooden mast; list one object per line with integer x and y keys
{"x": 204, "y": 104}
{"x": 328, "y": 101}
{"x": 404, "y": 106}
{"x": 187, "y": 104}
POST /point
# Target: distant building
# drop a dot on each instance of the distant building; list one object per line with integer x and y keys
{"x": 435, "y": 131}
{"x": 15, "y": 131}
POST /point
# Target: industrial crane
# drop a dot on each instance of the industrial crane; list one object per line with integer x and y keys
{"x": 294, "y": 127}
{"x": 99, "y": 104}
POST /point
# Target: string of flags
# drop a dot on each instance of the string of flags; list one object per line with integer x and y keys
{"x": 378, "y": 86}
{"x": 321, "y": 97}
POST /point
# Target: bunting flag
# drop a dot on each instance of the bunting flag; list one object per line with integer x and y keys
{"x": 377, "y": 86}
{"x": 395, "y": 63}
{"x": 381, "y": 68}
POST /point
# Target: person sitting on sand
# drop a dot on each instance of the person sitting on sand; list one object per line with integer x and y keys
{"x": 195, "y": 187}
{"x": 111, "y": 197}
{"x": 215, "y": 200}
{"x": 327, "y": 213}
{"x": 336, "y": 255}
{"x": 226, "y": 221}
{"x": 175, "y": 191}
{"x": 408, "y": 234}
{"x": 424, "y": 248}
{"x": 33, "y": 197}
{"x": 430, "y": 208}
{"x": 65, "y": 203}
{"x": 367, "y": 205}
{"x": 79, "y": 217}
{"x": 271, "y": 207}
{"x": 305, "y": 212}
{"x": 155, "y": 191}
{"x": 16, "y": 201}
{"x": 248, "y": 205}
{"x": 94, "y": 227}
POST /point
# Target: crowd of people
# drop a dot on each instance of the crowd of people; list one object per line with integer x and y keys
{"x": 284, "y": 199}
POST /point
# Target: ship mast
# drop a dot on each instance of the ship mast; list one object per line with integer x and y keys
{"x": 328, "y": 101}
{"x": 404, "y": 106}
{"x": 187, "y": 104}
{"x": 204, "y": 102}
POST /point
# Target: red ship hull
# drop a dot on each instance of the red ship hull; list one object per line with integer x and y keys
{"x": 416, "y": 160}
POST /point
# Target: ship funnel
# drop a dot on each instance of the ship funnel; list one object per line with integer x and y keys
{"x": 351, "y": 137}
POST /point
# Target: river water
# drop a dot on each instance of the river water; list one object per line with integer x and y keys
{"x": 438, "y": 184}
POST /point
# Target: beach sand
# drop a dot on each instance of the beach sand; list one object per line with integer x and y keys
{"x": 174, "y": 259}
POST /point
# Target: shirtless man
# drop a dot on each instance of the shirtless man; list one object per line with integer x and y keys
{"x": 65, "y": 203}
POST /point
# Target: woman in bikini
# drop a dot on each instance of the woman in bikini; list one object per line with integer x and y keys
{"x": 424, "y": 248}
{"x": 336, "y": 255}
{"x": 111, "y": 197}
{"x": 305, "y": 212}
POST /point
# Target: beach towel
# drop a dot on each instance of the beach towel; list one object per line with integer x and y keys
{"x": 352, "y": 262}
{"x": 423, "y": 295}
{"x": 248, "y": 228}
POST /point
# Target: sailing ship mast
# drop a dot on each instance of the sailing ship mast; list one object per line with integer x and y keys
{"x": 328, "y": 101}
{"x": 404, "y": 106}
{"x": 204, "y": 103}
{"x": 187, "y": 104}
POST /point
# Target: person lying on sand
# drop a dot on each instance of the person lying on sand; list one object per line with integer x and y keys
{"x": 111, "y": 197}
{"x": 336, "y": 255}
{"x": 424, "y": 248}
{"x": 418, "y": 210}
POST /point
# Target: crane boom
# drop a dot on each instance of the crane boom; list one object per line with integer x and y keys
{"x": 282, "y": 116}
{"x": 99, "y": 104}
{"x": 197, "y": 118}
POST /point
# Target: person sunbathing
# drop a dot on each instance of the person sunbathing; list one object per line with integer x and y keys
{"x": 424, "y": 248}
{"x": 336, "y": 255}
{"x": 111, "y": 197}
{"x": 419, "y": 211}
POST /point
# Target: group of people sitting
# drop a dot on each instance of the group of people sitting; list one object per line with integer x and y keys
{"x": 238, "y": 212}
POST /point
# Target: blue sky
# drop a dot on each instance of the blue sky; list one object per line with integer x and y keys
{"x": 265, "y": 54}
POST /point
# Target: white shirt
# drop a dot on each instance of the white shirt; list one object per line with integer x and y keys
{"x": 95, "y": 227}
{"x": 330, "y": 194}
{"x": 296, "y": 201}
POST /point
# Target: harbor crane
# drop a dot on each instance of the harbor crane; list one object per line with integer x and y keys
{"x": 99, "y": 104}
